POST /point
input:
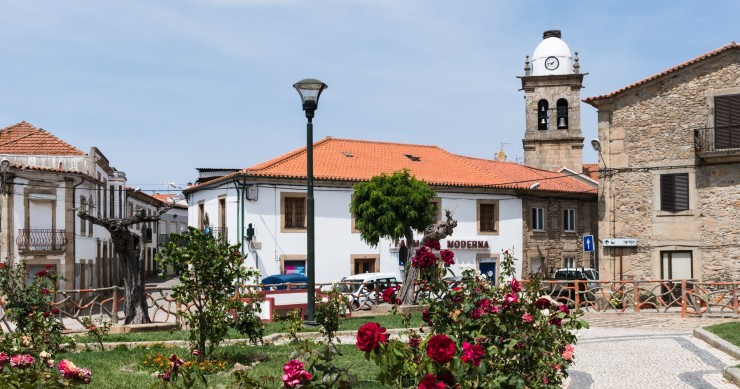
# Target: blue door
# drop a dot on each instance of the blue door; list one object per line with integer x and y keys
{"x": 488, "y": 269}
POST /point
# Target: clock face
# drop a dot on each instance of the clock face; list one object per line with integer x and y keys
{"x": 551, "y": 63}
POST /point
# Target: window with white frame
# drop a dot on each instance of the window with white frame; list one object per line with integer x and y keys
{"x": 569, "y": 220}
{"x": 569, "y": 262}
{"x": 538, "y": 219}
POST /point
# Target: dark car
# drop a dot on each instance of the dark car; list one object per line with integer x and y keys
{"x": 280, "y": 281}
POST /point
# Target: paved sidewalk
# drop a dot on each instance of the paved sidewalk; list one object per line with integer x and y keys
{"x": 647, "y": 351}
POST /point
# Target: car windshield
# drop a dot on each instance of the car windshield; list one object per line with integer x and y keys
{"x": 349, "y": 286}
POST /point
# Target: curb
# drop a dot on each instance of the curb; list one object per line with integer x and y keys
{"x": 732, "y": 374}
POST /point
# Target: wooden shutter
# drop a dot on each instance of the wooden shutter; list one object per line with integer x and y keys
{"x": 727, "y": 121}
{"x": 488, "y": 217}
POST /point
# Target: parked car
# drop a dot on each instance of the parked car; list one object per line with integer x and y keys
{"x": 280, "y": 281}
{"x": 361, "y": 288}
{"x": 561, "y": 289}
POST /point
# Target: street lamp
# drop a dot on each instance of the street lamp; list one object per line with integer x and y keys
{"x": 310, "y": 91}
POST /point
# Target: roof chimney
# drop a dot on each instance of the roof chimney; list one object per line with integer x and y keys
{"x": 551, "y": 34}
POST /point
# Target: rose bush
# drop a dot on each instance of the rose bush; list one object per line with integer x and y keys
{"x": 479, "y": 335}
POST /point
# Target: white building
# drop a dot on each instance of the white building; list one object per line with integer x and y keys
{"x": 268, "y": 201}
{"x": 46, "y": 182}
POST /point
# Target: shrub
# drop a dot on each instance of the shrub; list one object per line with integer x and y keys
{"x": 29, "y": 304}
{"x": 479, "y": 335}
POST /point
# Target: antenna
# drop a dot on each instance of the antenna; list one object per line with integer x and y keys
{"x": 501, "y": 154}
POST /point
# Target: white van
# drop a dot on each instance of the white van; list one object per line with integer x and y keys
{"x": 361, "y": 288}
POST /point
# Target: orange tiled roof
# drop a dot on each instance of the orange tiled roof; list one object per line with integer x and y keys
{"x": 25, "y": 139}
{"x": 732, "y": 45}
{"x": 591, "y": 170}
{"x": 359, "y": 160}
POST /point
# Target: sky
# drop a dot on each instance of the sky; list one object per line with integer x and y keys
{"x": 165, "y": 87}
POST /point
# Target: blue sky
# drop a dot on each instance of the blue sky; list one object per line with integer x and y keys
{"x": 164, "y": 87}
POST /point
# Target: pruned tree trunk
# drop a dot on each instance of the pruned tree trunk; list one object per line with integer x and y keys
{"x": 128, "y": 247}
{"x": 437, "y": 232}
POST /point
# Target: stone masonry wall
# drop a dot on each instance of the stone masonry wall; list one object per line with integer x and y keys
{"x": 648, "y": 131}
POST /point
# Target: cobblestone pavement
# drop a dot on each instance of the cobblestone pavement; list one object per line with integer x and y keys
{"x": 646, "y": 351}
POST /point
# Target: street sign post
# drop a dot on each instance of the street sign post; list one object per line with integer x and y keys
{"x": 619, "y": 242}
{"x": 588, "y": 243}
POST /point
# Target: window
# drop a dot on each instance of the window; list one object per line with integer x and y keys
{"x": 562, "y": 106}
{"x": 112, "y": 202}
{"x": 727, "y": 121}
{"x": 201, "y": 215}
{"x": 294, "y": 211}
{"x": 83, "y": 206}
{"x": 543, "y": 115}
{"x": 569, "y": 262}
{"x": 674, "y": 192}
{"x": 569, "y": 220}
{"x": 487, "y": 216}
{"x": 538, "y": 219}
{"x": 437, "y": 203}
{"x": 294, "y": 266}
{"x": 364, "y": 263}
{"x": 676, "y": 265}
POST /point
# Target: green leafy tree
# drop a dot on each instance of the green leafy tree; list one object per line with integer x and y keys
{"x": 393, "y": 206}
{"x": 210, "y": 271}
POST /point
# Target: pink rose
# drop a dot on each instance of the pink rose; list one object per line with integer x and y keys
{"x": 527, "y": 318}
{"x": 472, "y": 353}
{"x": 515, "y": 286}
{"x": 568, "y": 352}
{"x": 295, "y": 375}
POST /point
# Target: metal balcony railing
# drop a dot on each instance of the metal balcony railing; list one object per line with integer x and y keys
{"x": 717, "y": 142}
{"x": 41, "y": 240}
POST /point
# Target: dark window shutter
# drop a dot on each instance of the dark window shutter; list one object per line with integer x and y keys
{"x": 288, "y": 212}
{"x": 682, "y": 191}
{"x": 674, "y": 192}
{"x": 727, "y": 121}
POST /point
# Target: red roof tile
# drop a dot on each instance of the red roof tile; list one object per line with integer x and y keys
{"x": 591, "y": 170}
{"x": 25, "y": 139}
{"x": 732, "y": 45}
{"x": 359, "y": 160}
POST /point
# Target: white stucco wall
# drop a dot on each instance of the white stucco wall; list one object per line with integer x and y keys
{"x": 335, "y": 243}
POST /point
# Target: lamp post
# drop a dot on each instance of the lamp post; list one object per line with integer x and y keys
{"x": 310, "y": 91}
{"x": 4, "y": 167}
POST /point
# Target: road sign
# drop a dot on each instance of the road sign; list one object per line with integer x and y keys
{"x": 620, "y": 242}
{"x": 588, "y": 243}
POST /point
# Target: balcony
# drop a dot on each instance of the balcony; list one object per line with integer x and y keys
{"x": 41, "y": 241}
{"x": 719, "y": 144}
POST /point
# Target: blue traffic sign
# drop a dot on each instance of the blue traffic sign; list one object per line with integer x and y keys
{"x": 588, "y": 243}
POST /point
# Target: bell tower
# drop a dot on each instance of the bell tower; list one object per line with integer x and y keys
{"x": 552, "y": 85}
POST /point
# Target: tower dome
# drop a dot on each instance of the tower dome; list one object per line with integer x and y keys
{"x": 552, "y": 56}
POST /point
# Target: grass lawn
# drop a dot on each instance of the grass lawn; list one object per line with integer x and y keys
{"x": 354, "y": 323}
{"x": 727, "y": 331}
{"x": 125, "y": 368}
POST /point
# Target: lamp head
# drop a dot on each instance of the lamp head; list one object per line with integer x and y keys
{"x": 4, "y": 165}
{"x": 596, "y": 145}
{"x": 310, "y": 90}
{"x": 535, "y": 185}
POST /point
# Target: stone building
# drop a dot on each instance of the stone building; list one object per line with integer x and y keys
{"x": 554, "y": 226}
{"x": 671, "y": 150}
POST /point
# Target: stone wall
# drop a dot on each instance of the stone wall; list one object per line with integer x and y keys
{"x": 647, "y": 131}
{"x": 553, "y": 244}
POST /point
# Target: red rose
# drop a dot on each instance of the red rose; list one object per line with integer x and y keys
{"x": 55, "y": 311}
{"x": 369, "y": 336}
{"x": 42, "y": 273}
{"x": 46, "y": 314}
{"x": 447, "y": 257}
{"x": 441, "y": 348}
{"x": 542, "y": 303}
{"x": 515, "y": 286}
{"x": 433, "y": 244}
{"x": 49, "y": 266}
{"x": 430, "y": 382}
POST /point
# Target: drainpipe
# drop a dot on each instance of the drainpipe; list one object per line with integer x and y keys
{"x": 241, "y": 188}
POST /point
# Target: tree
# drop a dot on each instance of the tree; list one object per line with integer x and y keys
{"x": 210, "y": 271}
{"x": 393, "y": 206}
{"x": 127, "y": 245}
